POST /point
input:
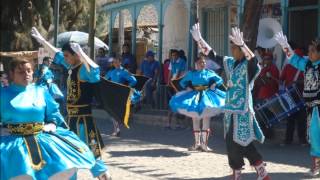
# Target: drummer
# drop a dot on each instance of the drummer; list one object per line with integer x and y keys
{"x": 267, "y": 82}
{"x": 266, "y": 86}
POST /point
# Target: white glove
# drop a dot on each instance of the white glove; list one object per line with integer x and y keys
{"x": 256, "y": 53}
{"x": 202, "y": 44}
{"x": 213, "y": 86}
{"x": 236, "y": 36}
{"x": 83, "y": 57}
{"x": 195, "y": 31}
{"x": 50, "y": 127}
{"x": 35, "y": 34}
{"x": 50, "y": 48}
{"x": 282, "y": 40}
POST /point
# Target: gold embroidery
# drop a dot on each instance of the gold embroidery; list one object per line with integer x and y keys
{"x": 25, "y": 129}
{"x": 94, "y": 144}
{"x": 73, "y": 91}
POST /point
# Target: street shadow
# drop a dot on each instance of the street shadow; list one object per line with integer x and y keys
{"x": 149, "y": 153}
{"x": 141, "y": 170}
{"x": 140, "y": 134}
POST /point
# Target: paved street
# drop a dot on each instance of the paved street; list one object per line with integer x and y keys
{"x": 149, "y": 152}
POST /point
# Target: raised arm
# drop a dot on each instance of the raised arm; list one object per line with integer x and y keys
{"x": 49, "y": 47}
{"x": 204, "y": 46}
{"x": 57, "y": 55}
{"x": 236, "y": 37}
{"x": 295, "y": 60}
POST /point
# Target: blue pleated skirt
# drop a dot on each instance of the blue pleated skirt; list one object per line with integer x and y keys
{"x": 198, "y": 104}
{"x": 57, "y": 155}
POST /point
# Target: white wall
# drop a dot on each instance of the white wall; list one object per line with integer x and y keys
{"x": 175, "y": 31}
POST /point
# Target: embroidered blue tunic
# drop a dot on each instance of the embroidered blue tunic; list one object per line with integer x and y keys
{"x": 122, "y": 76}
{"x": 239, "y": 106}
{"x": 199, "y": 103}
{"x": 311, "y": 94}
{"x": 33, "y": 104}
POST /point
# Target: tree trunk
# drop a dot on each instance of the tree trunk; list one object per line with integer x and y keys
{"x": 250, "y": 21}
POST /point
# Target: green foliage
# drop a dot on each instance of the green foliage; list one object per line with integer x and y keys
{"x": 18, "y": 16}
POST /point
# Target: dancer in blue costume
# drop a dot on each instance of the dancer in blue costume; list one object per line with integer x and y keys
{"x": 241, "y": 127}
{"x": 123, "y": 76}
{"x": 34, "y": 141}
{"x": 201, "y": 100}
{"x": 311, "y": 93}
{"x": 45, "y": 77}
{"x": 120, "y": 75}
{"x": 83, "y": 74}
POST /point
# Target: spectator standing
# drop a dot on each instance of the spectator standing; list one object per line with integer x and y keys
{"x": 128, "y": 60}
{"x": 102, "y": 60}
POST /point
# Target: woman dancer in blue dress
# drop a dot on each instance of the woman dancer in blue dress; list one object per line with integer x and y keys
{"x": 311, "y": 94}
{"x": 34, "y": 141}
{"x": 201, "y": 100}
{"x": 120, "y": 75}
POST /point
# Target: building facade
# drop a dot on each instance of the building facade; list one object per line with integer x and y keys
{"x": 299, "y": 19}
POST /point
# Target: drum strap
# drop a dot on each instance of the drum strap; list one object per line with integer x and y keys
{"x": 296, "y": 75}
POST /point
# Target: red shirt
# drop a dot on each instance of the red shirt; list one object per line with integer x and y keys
{"x": 166, "y": 71}
{"x": 268, "y": 88}
{"x": 288, "y": 73}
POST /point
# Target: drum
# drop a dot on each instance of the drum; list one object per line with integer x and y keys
{"x": 280, "y": 106}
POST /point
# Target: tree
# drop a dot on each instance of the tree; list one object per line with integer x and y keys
{"x": 250, "y": 21}
{"x": 18, "y": 16}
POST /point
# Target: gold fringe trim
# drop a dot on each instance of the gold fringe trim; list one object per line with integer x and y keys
{"x": 128, "y": 107}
